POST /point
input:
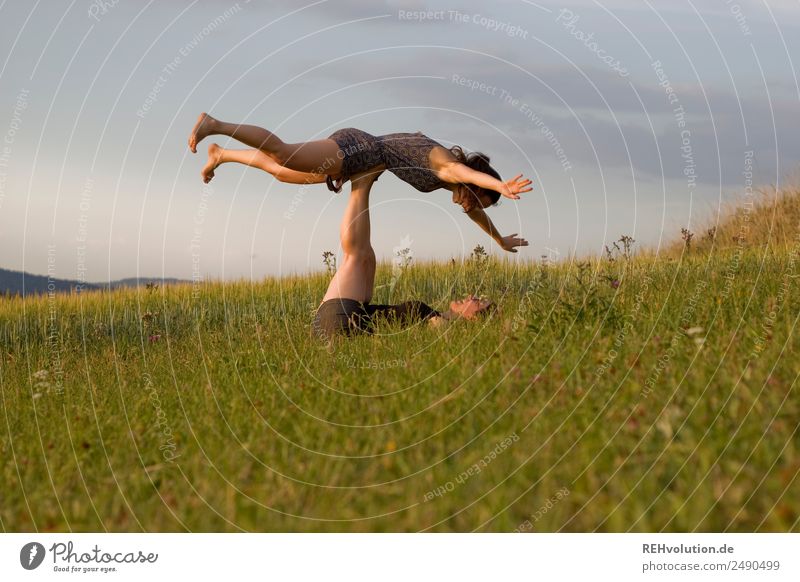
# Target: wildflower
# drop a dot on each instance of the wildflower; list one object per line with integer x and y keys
{"x": 693, "y": 331}
{"x": 687, "y": 236}
{"x": 154, "y": 338}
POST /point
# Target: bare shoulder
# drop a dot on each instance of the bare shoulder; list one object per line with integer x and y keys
{"x": 441, "y": 157}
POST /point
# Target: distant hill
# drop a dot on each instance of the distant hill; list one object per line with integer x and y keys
{"x": 137, "y": 281}
{"x": 21, "y": 283}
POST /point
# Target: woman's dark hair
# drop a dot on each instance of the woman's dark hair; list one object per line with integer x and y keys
{"x": 480, "y": 163}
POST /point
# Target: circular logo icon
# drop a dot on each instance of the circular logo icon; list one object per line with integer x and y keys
{"x": 31, "y": 555}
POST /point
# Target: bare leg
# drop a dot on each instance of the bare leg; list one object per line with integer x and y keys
{"x": 355, "y": 278}
{"x": 319, "y": 157}
{"x": 255, "y": 159}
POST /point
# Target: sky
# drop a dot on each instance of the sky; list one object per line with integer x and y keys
{"x": 631, "y": 117}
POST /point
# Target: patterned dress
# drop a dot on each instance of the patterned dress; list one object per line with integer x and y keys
{"x": 406, "y": 155}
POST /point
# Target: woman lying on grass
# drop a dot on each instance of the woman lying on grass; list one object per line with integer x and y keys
{"x": 412, "y": 157}
{"x": 346, "y": 308}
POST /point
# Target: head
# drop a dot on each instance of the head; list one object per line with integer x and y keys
{"x": 468, "y": 196}
{"x": 471, "y": 307}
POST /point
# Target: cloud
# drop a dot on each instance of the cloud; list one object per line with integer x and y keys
{"x": 348, "y": 9}
{"x": 592, "y": 113}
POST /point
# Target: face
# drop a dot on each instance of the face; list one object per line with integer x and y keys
{"x": 468, "y": 200}
{"x": 470, "y": 307}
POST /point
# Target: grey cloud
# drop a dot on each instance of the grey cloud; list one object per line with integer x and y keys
{"x": 596, "y": 99}
{"x": 347, "y": 9}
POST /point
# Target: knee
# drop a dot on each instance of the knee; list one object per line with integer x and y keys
{"x": 355, "y": 245}
{"x": 363, "y": 255}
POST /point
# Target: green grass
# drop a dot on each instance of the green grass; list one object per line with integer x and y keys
{"x": 642, "y": 394}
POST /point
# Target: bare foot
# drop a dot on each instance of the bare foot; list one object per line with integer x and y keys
{"x": 214, "y": 159}
{"x": 203, "y": 127}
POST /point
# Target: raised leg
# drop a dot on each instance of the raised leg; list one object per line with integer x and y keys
{"x": 255, "y": 159}
{"x": 355, "y": 278}
{"x": 319, "y": 157}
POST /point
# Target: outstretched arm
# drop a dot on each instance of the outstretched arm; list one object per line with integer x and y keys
{"x": 458, "y": 173}
{"x": 508, "y": 243}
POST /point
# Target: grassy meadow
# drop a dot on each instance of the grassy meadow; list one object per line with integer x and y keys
{"x": 628, "y": 392}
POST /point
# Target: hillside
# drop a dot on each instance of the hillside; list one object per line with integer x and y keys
{"x": 764, "y": 218}
{"x": 22, "y": 283}
{"x": 631, "y": 392}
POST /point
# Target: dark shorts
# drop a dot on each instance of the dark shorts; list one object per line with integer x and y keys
{"x": 347, "y": 316}
{"x": 359, "y": 151}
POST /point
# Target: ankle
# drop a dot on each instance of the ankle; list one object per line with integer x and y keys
{"x": 218, "y": 127}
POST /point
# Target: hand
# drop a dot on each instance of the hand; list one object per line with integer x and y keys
{"x": 365, "y": 178}
{"x": 335, "y": 184}
{"x": 511, "y": 241}
{"x": 516, "y": 186}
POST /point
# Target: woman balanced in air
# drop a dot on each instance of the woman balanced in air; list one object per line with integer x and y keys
{"x": 413, "y": 157}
